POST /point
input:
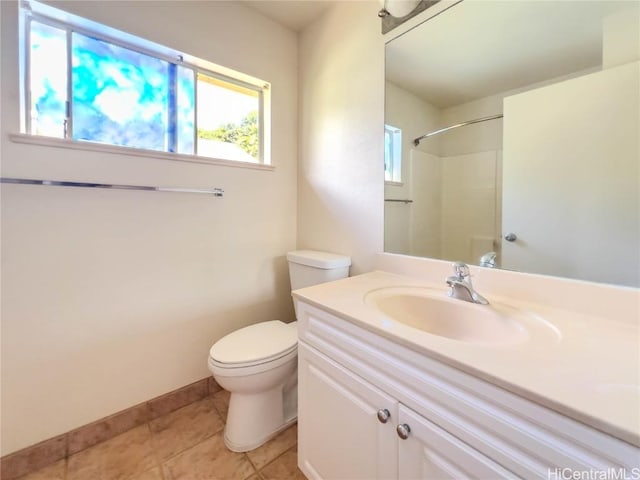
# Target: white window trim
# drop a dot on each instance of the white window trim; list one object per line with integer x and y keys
{"x": 43, "y": 141}
{"x": 55, "y": 17}
{"x": 396, "y": 167}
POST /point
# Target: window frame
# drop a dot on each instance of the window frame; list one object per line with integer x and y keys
{"x": 31, "y": 10}
{"x": 395, "y": 160}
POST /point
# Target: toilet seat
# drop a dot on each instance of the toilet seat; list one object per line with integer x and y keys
{"x": 221, "y": 370}
{"x": 262, "y": 343}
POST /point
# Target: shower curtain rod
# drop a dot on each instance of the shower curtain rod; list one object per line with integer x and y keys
{"x": 416, "y": 141}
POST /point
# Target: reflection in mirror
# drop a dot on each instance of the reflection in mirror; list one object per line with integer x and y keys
{"x": 553, "y": 186}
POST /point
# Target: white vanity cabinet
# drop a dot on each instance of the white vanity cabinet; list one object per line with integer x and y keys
{"x": 338, "y": 420}
{"x": 353, "y": 430}
{"x": 429, "y": 452}
{"x": 361, "y": 392}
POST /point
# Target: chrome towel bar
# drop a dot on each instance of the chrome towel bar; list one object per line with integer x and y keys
{"x": 216, "y": 192}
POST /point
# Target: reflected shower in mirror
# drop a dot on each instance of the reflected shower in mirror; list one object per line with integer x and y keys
{"x": 541, "y": 172}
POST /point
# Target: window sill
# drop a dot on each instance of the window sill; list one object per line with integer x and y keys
{"x": 393, "y": 184}
{"x": 136, "y": 152}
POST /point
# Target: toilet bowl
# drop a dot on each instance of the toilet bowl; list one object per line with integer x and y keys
{"x": 258, "y": 364}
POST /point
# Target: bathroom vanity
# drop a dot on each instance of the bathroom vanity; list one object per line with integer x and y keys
{"x": 388, "y": 389}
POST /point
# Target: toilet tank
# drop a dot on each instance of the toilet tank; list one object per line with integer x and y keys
{"x": 309, "y": 267}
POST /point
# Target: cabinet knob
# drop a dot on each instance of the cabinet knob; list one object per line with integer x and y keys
{"x": 403, "y": 431}
{"x": 383, "y": 415}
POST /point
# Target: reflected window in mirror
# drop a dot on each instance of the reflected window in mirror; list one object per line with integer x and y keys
{"x": 392, "y": 154}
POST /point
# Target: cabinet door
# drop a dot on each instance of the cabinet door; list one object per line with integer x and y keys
{"x": 339, "y": 433}
{"x": 430, "y": 453}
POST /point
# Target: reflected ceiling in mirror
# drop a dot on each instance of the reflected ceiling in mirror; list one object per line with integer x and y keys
{"x": 550, "y": 188}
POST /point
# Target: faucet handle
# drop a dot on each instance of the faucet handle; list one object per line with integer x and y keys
{"x": 461, "y": 270}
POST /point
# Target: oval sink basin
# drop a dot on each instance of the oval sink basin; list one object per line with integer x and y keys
{"x": 433, "y": 312}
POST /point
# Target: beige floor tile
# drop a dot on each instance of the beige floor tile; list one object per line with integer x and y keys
{"x": 221, "y": 401}
{"x": 52, "y": 472}
{"x": 209, "y": 460}
{"x": 119, "y": 458}
{"x": 274, "y": 447}
{"x": 153, "y": 474}
{"x": 185, "y": 427}
{"x": 285, "y": 467}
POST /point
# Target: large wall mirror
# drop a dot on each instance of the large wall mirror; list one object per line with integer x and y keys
{"x": 542, "y": 172}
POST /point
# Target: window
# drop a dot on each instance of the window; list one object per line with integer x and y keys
{"x": 392, "y": 154}
{"x": 83, "y": 85}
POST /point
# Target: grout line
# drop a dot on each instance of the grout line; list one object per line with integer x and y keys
{"x": 180, "y": 452}
{"x": 278, "y": 457}
{"x": 156, "y": 457}
{"x": 255, "y": 469}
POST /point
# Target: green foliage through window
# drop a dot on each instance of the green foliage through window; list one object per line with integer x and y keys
{"x": 243, "y": 134}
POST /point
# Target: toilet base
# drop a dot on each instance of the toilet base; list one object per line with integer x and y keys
{"x": 253, "y": 419}
{"x": 234, "y": 447}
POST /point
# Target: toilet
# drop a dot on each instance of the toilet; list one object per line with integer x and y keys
{"x": 258, "y": 364}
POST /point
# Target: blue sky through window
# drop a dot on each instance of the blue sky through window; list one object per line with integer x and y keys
{"x": 120, "y": 97}
{"x": 48, "y": 80}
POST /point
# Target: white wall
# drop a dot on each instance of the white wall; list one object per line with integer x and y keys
{"x": 426, "y": 209}
{"x": 472, "y": 156}
{"x": 341, "y": 175}
{"x": 110, "y": 298}
{"x": 411, "y": 227}
{"x": 414, "y": 116}
{"x": 621, "y": 37}
{"x": 469, "y": 219}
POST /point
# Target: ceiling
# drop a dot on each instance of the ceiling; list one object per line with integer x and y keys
{"x": 293, "y": 14}
{"x": 481, "y": 48}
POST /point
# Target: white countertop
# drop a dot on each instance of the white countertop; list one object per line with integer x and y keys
{"x": 589, "y": 371}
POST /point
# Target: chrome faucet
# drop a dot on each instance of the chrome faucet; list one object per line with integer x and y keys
{"x": 461, "y": 287}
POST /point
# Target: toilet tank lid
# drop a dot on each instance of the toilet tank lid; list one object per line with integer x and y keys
{"x": 256, "y": 342}
{"x": 316, "y": 259}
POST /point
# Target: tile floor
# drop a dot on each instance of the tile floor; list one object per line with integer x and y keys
{"x": 186, "y": 444}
